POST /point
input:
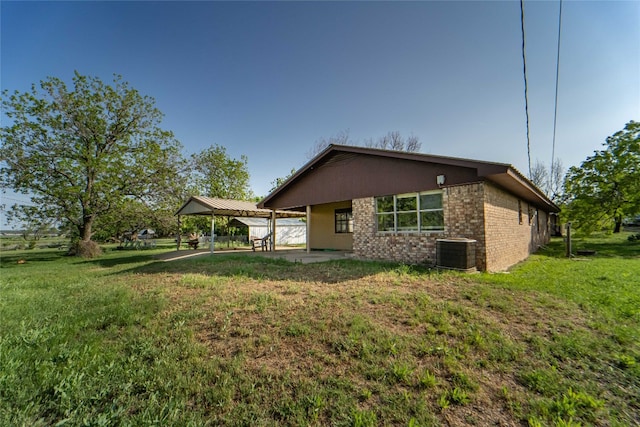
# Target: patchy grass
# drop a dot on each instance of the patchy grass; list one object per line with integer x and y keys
{"x": 245, "y": 340}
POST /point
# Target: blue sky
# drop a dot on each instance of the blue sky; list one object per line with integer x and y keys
{"x": 268, "y": 79}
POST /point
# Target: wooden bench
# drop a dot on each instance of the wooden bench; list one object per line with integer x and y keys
{"x": 261, "y": 242}
{"x": 193, "y": 244}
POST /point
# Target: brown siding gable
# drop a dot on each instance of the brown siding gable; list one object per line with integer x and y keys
{"x": 342, "y": 172}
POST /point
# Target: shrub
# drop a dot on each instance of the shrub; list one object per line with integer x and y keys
{"x": 634, "y": 238}
{"x": 85, "y": 249}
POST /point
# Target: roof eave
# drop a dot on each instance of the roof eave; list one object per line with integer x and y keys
{"x": 243, "y": 210}
{"x": 295, "y": 176}
{"x": 515, "y": 182}
{"x": 501, "y": 173}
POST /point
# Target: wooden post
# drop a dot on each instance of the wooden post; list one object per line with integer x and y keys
{"x": 308, "y": 228}
{"x": 273, "y": 230}
{"x": 179, "y": 236}
{"x": 568, "y": 240}
{"x": 213, "y": 230}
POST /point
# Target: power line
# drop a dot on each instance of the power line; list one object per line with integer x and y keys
{"x": 555, "y": 110}
{"x": 526, "y": 96}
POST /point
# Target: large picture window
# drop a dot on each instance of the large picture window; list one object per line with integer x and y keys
{"x": 414, "y": 212}
{"x": 344, "y": 220}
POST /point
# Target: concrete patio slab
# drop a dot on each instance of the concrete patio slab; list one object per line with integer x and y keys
{"x": 287, "y": 253}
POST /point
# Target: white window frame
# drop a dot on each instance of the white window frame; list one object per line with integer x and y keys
{"x": 418, "y": 211}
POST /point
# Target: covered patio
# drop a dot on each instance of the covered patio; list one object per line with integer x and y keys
{"x": 208, "y": 206}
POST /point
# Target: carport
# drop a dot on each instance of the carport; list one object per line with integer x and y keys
{"x": 208, "y": 206}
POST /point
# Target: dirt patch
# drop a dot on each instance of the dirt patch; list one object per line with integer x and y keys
{"x": 362, "y": 329}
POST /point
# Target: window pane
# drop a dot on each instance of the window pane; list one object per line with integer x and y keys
{"x": 432, "y": 220}
{"x": 407, "y": 221}
{"x": 384, "y": 204}
{"x": 406, "y": 203}
{"x": 344, "y": 220}
{"x": 431, "y": 201}
{"x": 385, "y": 222}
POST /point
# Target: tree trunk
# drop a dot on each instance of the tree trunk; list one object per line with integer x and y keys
{"x": 85, "y": 229}
{"x": 85, "y": 248}
{"x": 618, "y": 226}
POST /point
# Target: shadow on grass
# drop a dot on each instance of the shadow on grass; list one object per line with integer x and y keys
{"x": 12, "y": 258}
{"x": 603, "y": 249}
{"x": 114, "y": 259}
{"x": 604, "y": 246}
{"x": 261, "y": 268}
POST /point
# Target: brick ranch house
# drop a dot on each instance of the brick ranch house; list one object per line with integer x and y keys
{"x": 392, "y": 205}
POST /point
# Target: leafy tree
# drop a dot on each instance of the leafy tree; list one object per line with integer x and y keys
{"x": 80, "y": 152}
{"x": 279, "y": 181}
{"x": 215, "y": 174}
{"x": 133, "y": 216}
{"x": 606, "y": 186}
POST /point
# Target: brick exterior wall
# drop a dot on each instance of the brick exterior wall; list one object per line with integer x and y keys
{"x": 464, "y": 216}
{"x": 477, "y": 211}
{"x": 411, "y": 248}
{"x": 510, "y": 241}
{"x": 507, "y": 229}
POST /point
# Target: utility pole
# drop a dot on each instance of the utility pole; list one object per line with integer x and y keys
{"x": 568, "y": 240}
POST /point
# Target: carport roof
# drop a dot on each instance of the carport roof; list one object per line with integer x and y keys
{"x": 200, "y": 205}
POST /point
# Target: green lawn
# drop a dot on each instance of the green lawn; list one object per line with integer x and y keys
{"x": 237, "y": 339}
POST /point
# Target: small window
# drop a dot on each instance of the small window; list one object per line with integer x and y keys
{"x": 344, "y": 220}
{"x": 385, "y": 209}
{"x": 385, "y": 204}
{"x": 431, "y": 213}
{"x": 407, "y": 212}
{"x": 520, "y": 211}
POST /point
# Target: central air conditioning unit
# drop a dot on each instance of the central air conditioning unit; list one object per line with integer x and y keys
{"x": 456, "y": 254}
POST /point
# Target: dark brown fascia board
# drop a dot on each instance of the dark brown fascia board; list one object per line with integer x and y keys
{"x": 533, "y": 188}
{"x": 525, "y": 188}
{"x": 303, "y": 169}
{"x": 421, "y": 157}
{"x": 543, "y": 197}
{"x": 484, "y": 169}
